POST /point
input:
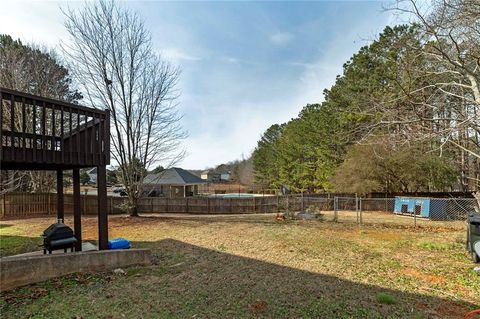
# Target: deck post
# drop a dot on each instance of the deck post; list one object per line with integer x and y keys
{"x": 60, "y": 206}
{"x": 77, "y": 212}
{"x": 102, "y": 207}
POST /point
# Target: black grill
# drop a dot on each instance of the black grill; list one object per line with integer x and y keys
{"x": 58, "y": 236}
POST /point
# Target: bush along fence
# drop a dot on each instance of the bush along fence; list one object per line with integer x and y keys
{"x": 408, "y": 210}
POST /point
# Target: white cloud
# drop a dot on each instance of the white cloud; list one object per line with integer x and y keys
{"x": 231, "y": 60}
{"x": 34, "y": 22}
{"x": 281, "y": 38}
{"x": 176, "y": 55}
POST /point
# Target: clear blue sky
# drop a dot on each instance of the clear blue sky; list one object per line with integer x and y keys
{"x": 245, "y": 65}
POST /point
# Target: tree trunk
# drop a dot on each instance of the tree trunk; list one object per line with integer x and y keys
{"x": 133, "y": 207}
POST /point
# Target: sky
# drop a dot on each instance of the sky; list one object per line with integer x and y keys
{"x": 245, "y": 65}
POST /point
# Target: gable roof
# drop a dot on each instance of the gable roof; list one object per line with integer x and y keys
{"x": 173, "y": 176}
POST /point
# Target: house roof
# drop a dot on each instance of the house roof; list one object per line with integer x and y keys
{"x": 222, "y": 169}
{"x": 173, "y": 176}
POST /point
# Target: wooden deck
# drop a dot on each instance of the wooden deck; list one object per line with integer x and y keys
{"x": 38, "y": 133}
{"x": 41, "y": 133}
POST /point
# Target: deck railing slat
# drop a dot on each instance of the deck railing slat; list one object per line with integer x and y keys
{"x": 85, "y": 137}
{"x": 44, "y": 130}
{"x": 24, "y": 128}
{"x": 62, "y": 142}
{"x": 70, "y": 134}
{"x": 78, "y": 136}
{"x": 54, "y": 143}
{"x": 12, "y": 125}
{"x": 34, "y": 128}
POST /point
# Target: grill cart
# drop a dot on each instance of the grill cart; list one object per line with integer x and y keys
{"x": 58, "y": 236}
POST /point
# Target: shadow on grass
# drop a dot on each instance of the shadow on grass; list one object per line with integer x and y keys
{"x": 214, "y": 283}
{"x": 5, "y": 226}
{"x": 188, "y": 281}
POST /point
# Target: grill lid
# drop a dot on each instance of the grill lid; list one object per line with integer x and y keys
{"x": 57, "y": 231}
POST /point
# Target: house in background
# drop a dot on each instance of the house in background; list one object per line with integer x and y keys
{"x": 171, "y": 183}
{"x": 219, "y": 174}
{"x": 92, "y": 173}
{"x": 210, "y": 176}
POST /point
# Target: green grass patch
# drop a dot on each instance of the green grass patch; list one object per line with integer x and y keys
{"x": 431, "y": 245}
{"x": 386, "y": 298}
{"x": 13, "y": 245}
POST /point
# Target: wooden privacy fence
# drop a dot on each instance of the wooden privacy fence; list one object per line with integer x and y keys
{"x": 33, "y": 204}
{"x": 267, "y": 204}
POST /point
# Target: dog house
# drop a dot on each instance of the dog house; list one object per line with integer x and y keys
{"x": 431, "y": 208}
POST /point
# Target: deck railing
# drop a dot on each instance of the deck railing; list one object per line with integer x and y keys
{"x": 40, "y": 130}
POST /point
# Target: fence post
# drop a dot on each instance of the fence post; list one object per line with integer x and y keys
{"x": 414, "y": 218}
{"x": 49, "y": 211}
{"x": 3, "y": 205}
{"x": 335, "y": 209}
{"x": 186, "y": 204}
{"x": 360, "y": 207}
{"x": 356, "y": 208}
{"x": 287, "y": 209}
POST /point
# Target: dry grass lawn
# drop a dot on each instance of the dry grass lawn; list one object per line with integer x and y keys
{"x": 252, "y": 266}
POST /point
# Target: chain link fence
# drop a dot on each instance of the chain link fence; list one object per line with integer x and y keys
{"x": 399, "y": 211}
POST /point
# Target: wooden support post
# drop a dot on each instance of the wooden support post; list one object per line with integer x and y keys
{"x": 77, "y": 211}
{"x": 102, "y": 207}
{"x": 60, "y": 206}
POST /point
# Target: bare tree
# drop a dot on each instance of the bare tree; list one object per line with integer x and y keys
{"x": 440, "y": 81}
{"x": 450, "y": 53}
{"x": 111, "y": 54}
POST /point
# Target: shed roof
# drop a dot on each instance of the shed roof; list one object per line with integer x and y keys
{"x": 173, "y": 176}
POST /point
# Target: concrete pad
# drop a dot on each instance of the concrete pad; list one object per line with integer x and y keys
{"x": 86, "y": 246}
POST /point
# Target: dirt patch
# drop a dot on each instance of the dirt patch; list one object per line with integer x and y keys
{"x": 432, "y": 279}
